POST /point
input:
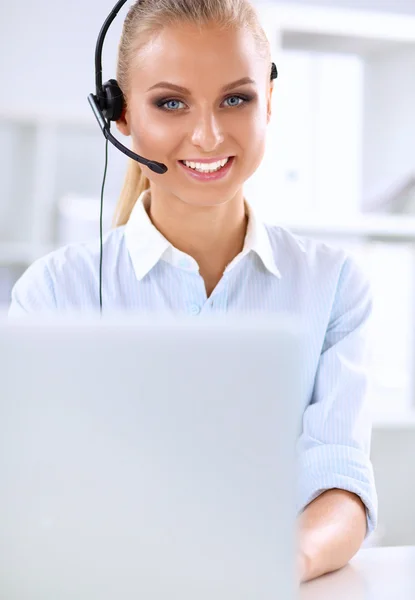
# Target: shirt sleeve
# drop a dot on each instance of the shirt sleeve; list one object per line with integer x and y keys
{"x": 33, "y": 292}
{"x": 334, "y": 446}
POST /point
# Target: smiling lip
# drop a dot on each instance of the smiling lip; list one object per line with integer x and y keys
{"x": 205, "y": 160}
{"x": 206, "y": 176}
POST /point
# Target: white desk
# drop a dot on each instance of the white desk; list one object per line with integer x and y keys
{"x": 373, "y": 574}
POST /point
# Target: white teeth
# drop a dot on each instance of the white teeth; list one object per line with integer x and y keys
{"x": 206, "y": 167}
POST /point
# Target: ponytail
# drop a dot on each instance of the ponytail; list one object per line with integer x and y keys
{"x": 134, "y": 184}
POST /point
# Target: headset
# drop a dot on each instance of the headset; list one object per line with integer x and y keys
{"x": 107, "y": 105}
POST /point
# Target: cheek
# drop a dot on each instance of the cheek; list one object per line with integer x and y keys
{"x": 252, "y": 126}
{"x": 255, "y": 141}
{"x": 151, "y": 131}
{"x": 255, "y": 156}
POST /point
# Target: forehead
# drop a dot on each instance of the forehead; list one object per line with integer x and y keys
{"x": 184, "y": 53}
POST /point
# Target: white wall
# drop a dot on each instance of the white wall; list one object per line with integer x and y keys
{"x": 399, "y": 6}
{"x": 50, "y": 47}
{"x": 389, "y": 150}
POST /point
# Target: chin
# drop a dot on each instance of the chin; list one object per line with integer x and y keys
{"x": 208, "y": 198}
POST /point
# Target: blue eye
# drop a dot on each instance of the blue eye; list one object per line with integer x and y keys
{"x": 238, "y": 98}
{"x": 169, "y": 102}
{"x": 164, "y": 104}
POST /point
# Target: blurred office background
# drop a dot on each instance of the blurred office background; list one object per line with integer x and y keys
{"x": 340, "y": 166}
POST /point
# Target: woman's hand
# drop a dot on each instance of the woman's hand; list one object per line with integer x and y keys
{"x": 331, "y": 530}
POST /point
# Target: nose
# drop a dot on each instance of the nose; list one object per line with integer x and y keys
{"x": 207, "y": 132}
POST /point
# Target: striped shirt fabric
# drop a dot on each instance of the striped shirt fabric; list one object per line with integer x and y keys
{"x": 276, "y": 271}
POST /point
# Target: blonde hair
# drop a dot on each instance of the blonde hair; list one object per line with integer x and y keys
{"x": 147, "y": 18}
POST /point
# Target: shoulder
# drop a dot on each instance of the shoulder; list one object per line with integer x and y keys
{"x": 69, "y": 272}
{"x": 314, "y": 256}
{"x": 318, "y": 264}
{"x": 80, "y": 260}
{"x": 292, "y": 249}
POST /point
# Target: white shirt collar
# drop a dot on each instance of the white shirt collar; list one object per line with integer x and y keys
{"x": 146, "y": 245}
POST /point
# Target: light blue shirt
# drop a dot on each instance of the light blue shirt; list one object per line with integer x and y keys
{"x": 276, "y": 271}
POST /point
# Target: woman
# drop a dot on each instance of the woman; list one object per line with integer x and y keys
{"x": 196, "y": 78}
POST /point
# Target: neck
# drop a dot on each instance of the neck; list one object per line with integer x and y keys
{"x": 212, "y": 235}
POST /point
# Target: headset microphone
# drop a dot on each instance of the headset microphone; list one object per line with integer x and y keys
{"x": 108, "y": 105}
{"x": 108, "y": 102}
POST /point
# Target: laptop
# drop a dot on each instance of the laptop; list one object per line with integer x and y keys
{"x": 148, "y": 459}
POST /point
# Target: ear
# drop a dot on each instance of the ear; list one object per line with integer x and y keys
{"x": 123, "y": 124}
{"x": 269, "y": 101}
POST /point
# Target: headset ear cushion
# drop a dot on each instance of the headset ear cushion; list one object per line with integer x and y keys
{"x": 114, "y": 100}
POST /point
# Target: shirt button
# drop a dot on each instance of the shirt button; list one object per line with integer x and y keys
{"x": 194, "y": 309}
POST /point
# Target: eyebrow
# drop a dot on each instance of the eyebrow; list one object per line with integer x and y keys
{"x": 183, "y": 90}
